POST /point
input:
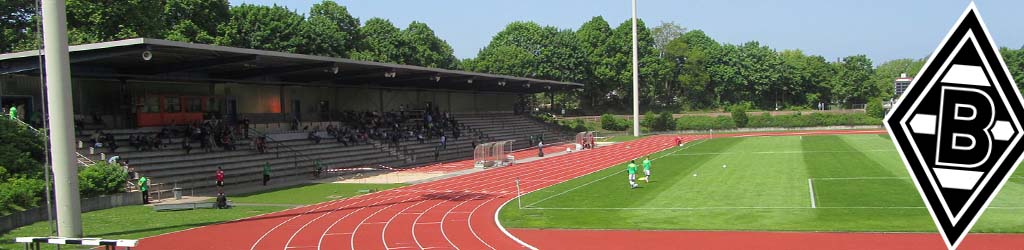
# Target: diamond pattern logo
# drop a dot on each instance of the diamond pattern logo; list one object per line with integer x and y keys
{"x": 957, "y": 127}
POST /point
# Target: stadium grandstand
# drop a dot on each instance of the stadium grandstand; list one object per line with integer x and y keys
{"x": 175, "y": 112}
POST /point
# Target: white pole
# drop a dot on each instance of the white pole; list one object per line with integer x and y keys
{"x": 636, "y": 79}
{"x": 62, "y": 136}
{"x": 519, "y": 196}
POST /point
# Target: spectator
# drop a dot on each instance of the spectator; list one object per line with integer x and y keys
{"x": 266, "y": 173}
{"x": 319, "y": 168}
{"x": 220, "y": 180}
{"x": 112, "y": 144}
{"x": 261, "y": 144}
{"x": 155, "y": 143}
{"x": 144, "y": 187}
{"x": 97, "y": 138}
{"x": 185, "y": 144}
{"x": 295, "y": 124}
{"x": 134, "y": 141}
{"x": 444, "y": 142}
{"x": 245, "y": 127}
{"x": 314, "y": 137}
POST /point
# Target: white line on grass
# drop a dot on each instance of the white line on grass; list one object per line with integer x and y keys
{"x": 810, "y": 186}
{"x": 862, "y": 178}
{"x": 606, "y": 177}
{"x": 787, "y": 152}
{"x": 722, "y": 208}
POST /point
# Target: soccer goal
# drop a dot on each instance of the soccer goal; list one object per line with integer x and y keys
{"x": 493, "y": 154}
{"x": 585, "y": 139}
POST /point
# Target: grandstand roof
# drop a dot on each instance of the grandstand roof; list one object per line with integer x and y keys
{"x": 172, "y": 61}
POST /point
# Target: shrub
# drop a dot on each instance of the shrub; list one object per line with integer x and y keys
{"x": 21, "y": 150}
{"x": 613, "y": 123}
{"x": 739, "y": 115}
{"x": 20, "y": 192}
{"x": 874, "y": 108}
{"x": 658, "y": 122}
{"x": 101, "y": 179}
{"x": 575, "y": 125}
{"x": 705, "y": 123}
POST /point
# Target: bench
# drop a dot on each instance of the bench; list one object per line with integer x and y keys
{"x": 35, "y": 242}
{"x": 186, "y": 206}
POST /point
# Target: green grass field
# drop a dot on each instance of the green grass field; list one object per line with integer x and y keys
{"x": 311, "y": 194}
{"x": 134, "y": 222}
{"x": 859, "y": 184}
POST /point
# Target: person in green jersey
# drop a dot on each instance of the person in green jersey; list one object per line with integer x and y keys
{"x": 647, "y": 169}
{"x": 144, "y": 187}
{"x": 14, "y": 113}
{"x": 266, "y": 173}
{"x": 631, "y": 169}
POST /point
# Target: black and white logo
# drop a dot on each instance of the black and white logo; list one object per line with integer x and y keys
{"x": 957, "y": 127}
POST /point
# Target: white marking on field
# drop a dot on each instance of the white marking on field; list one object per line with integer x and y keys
{"x": 722, "y": 208}
{"x": 810, "y": 186}
{"x": 788, "y": 152}
{"x": 861, "y": 178}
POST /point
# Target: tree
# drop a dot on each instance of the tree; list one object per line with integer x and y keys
{"x": 805, "y": 79}
{"x": 852, "y": 80}
{"x": 598, "y": 70}
{"x": 329, "y": 31}
{"x": 664, "y": 33}
{"x": 1014, "y": 60}
{"x": 886, "y": 73}
{"x": 195, "y": 20}
{"x": 186, "y": 31}
{"x": 424, "y": 48}
{"x": 378, "y": 41}
{"x": 16, "y": 25}
{"x": 101, "y": 21}
{"x": 262, "y": 27}
{"x": 761, "y": 68}
{"x": 651, "y": 71}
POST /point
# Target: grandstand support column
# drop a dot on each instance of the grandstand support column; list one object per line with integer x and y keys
{"x": 58, "y": 82}
{"x": 636, "y": 80}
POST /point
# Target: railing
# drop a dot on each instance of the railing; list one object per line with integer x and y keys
{"x": 296, "y": 153}
{"x": 82, "y": 159}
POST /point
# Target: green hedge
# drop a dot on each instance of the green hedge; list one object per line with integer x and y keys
{"x": 20, "y": 193}
{"x": 766, "y": 120}
{"x": 101, "y": 179}
{"x": 658, "y": 122}
{"x": 614, "y": 123}
{"x": 705, "y": 122}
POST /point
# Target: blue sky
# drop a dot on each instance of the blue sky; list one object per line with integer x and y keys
{"x": 881, "y": 29}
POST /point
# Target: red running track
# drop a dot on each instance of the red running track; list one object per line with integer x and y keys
{"x": 454, "y": 213}
{"x": 459, "y": 213}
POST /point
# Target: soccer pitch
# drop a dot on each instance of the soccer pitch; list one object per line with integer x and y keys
{"x": 854, "y": 183}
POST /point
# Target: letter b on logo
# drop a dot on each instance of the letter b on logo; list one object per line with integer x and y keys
{"x": 965, "y": 116}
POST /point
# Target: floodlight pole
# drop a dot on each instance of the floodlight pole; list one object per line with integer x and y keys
{"x": 62, "y": 136}
{"x": 636, "y": 78}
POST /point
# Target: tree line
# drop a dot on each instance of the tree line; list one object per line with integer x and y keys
{"x": 326, "y": 30}
{"x": 680, "y": 69}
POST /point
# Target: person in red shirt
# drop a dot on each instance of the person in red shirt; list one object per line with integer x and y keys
{"x": 220, "y": 180}
{"x": 679, "y": 141}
